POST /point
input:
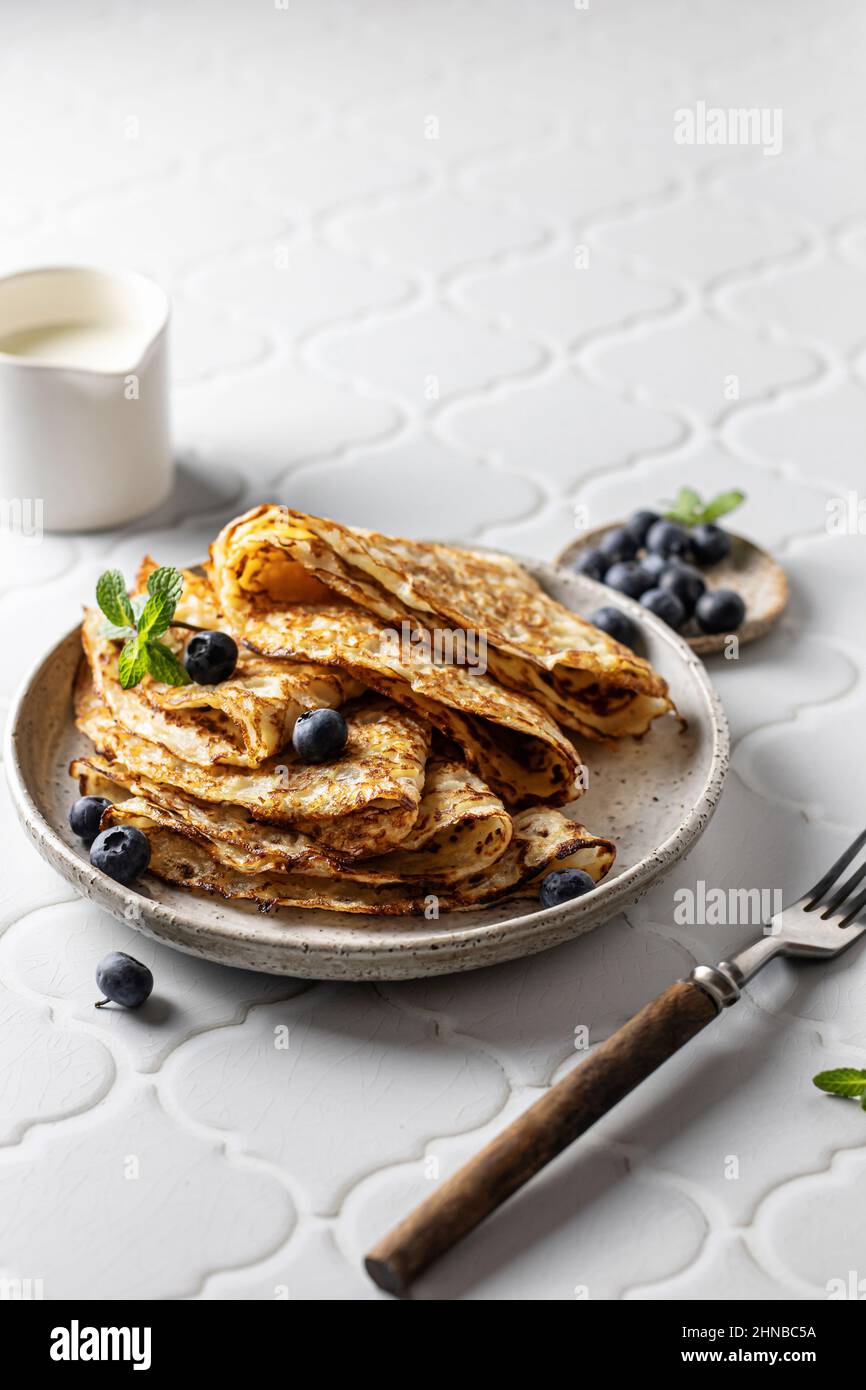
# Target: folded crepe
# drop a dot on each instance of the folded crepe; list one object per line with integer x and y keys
{"x": 542, "y": 839}
{"x": 505, "y": 736}
{"x": 579, "y": 675}
{"x": 363, "y": 803}
{"x": 461, "y": 829}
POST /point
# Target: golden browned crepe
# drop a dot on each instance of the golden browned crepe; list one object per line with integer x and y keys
{"x": 450, "y": 787}
{"x": 461, "y": 828}
{"x": 579, "y": 675}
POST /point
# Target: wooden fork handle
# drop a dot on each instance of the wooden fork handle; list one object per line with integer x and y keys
{"x": 539, "y": 1134}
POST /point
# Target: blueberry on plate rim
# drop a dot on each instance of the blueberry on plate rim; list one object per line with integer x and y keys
{"x": 123, "y": 980}
{"x": 320, "y": 735}
{"x": 720, "y": 610}
{"x": 563, "y": 886}
{"x": 617, "y": 625}
{"x": 85, "y": 815}
{"x": 210, "y": 657}
{"x": 122, "y": 852}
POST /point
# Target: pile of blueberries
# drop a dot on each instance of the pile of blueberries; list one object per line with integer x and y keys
{"x": 655, "y": 561}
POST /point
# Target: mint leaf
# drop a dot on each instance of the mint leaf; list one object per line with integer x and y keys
{"x": 155, "y": 616}
{"x": 686, "y": 507}
{"x": 116, "y": 633}
{"x": 166, "y": 583}
{"x": 842, "y": 1081}
{"x": 164, "y": 665}
{"x": 113, "y": 599}
{"x": 690, "y": 510}
{"x": 139, "y": 622}
{"x": 724, "y": 503}
{"x": 131, "y": 664}
{"x": 688, "y": 499}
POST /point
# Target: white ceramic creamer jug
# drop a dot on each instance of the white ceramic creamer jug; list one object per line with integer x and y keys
{"x": 84, "y": 418}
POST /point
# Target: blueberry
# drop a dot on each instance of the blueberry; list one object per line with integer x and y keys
{"x": 684, "y": 581}
{"x": 592, "y": 563}
{"x": 617, "y": 545}
{"x": 721, "y": 610}
{"x": 653, "y": 564}
{"x": 628, "y": 577}
{"x": 639, "y": 523}
{"x": 123, "y": 980}
{"x": 617, "y": 625}
{"x": 122, "y": 852}
{"x": 666, "y": 606}
{"x": 668, "y": 539}
{"x": 319, "y": 735}
{"x": 85, "y": 815}
{"x": 211, "y": 657}
{"x": 562, "y": 885}
{"x": 710, "y": 544}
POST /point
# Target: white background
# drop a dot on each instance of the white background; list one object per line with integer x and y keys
{"x": 390, "y": 328}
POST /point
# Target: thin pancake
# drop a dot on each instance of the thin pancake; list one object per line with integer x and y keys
{"x": 461, "y": 828}
{"x": 507, "y": 738}
{"x": 534, "y": 643}
{"x": 243, "y": 720}
{"x": 542, "y": 839}
{"x": 361, "y": 804}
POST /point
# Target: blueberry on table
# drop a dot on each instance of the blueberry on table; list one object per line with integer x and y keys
{"x": 710, "y": 544}
{"x": 639, "y": 523}
{"x": 668, "y": 539}
{"x": 319, "y": 735}
{"x": 85, "y": 815}
{"x": 591, "y": 563}
{"x": 123, "y": 980}
{"x": 617, "y": 545}
{"x": 628, "y": 577}
{"x": 122, "y": 852}
{"x": 666, "y": 606}
{"x": 562, "y": 885}
{"x": 617, "y": 625}
{"x": 211, "y": 657}
{"x": 684, "y": 581}
{"x": 721, "y": 610}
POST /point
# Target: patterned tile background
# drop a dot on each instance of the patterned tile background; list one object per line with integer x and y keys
{"x": 442, "y": 268}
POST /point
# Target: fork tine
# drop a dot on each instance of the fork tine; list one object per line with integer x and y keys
{"x": 844, "y": 892}
{"x": 853, "y": 909}
{"x": 815, "y": 894}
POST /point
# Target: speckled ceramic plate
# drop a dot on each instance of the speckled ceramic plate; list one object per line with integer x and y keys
{"x": 755, "y": 575}
{"x": 654, "y": 796}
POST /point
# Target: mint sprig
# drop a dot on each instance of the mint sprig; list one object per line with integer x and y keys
{"x": 689, "y": 509}
{"x": 139, "y": 623}
{"x": 843, "y": 1081}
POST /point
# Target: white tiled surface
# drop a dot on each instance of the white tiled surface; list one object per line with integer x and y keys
{"x": 390, "y": 328}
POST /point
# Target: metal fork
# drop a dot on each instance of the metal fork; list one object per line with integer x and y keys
{"x": 819, "y": 925}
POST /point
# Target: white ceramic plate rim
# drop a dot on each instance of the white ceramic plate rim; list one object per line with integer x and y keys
{"x": 388, "y": 959}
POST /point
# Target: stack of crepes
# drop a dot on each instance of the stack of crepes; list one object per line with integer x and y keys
{"x": 462, "y": 684}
